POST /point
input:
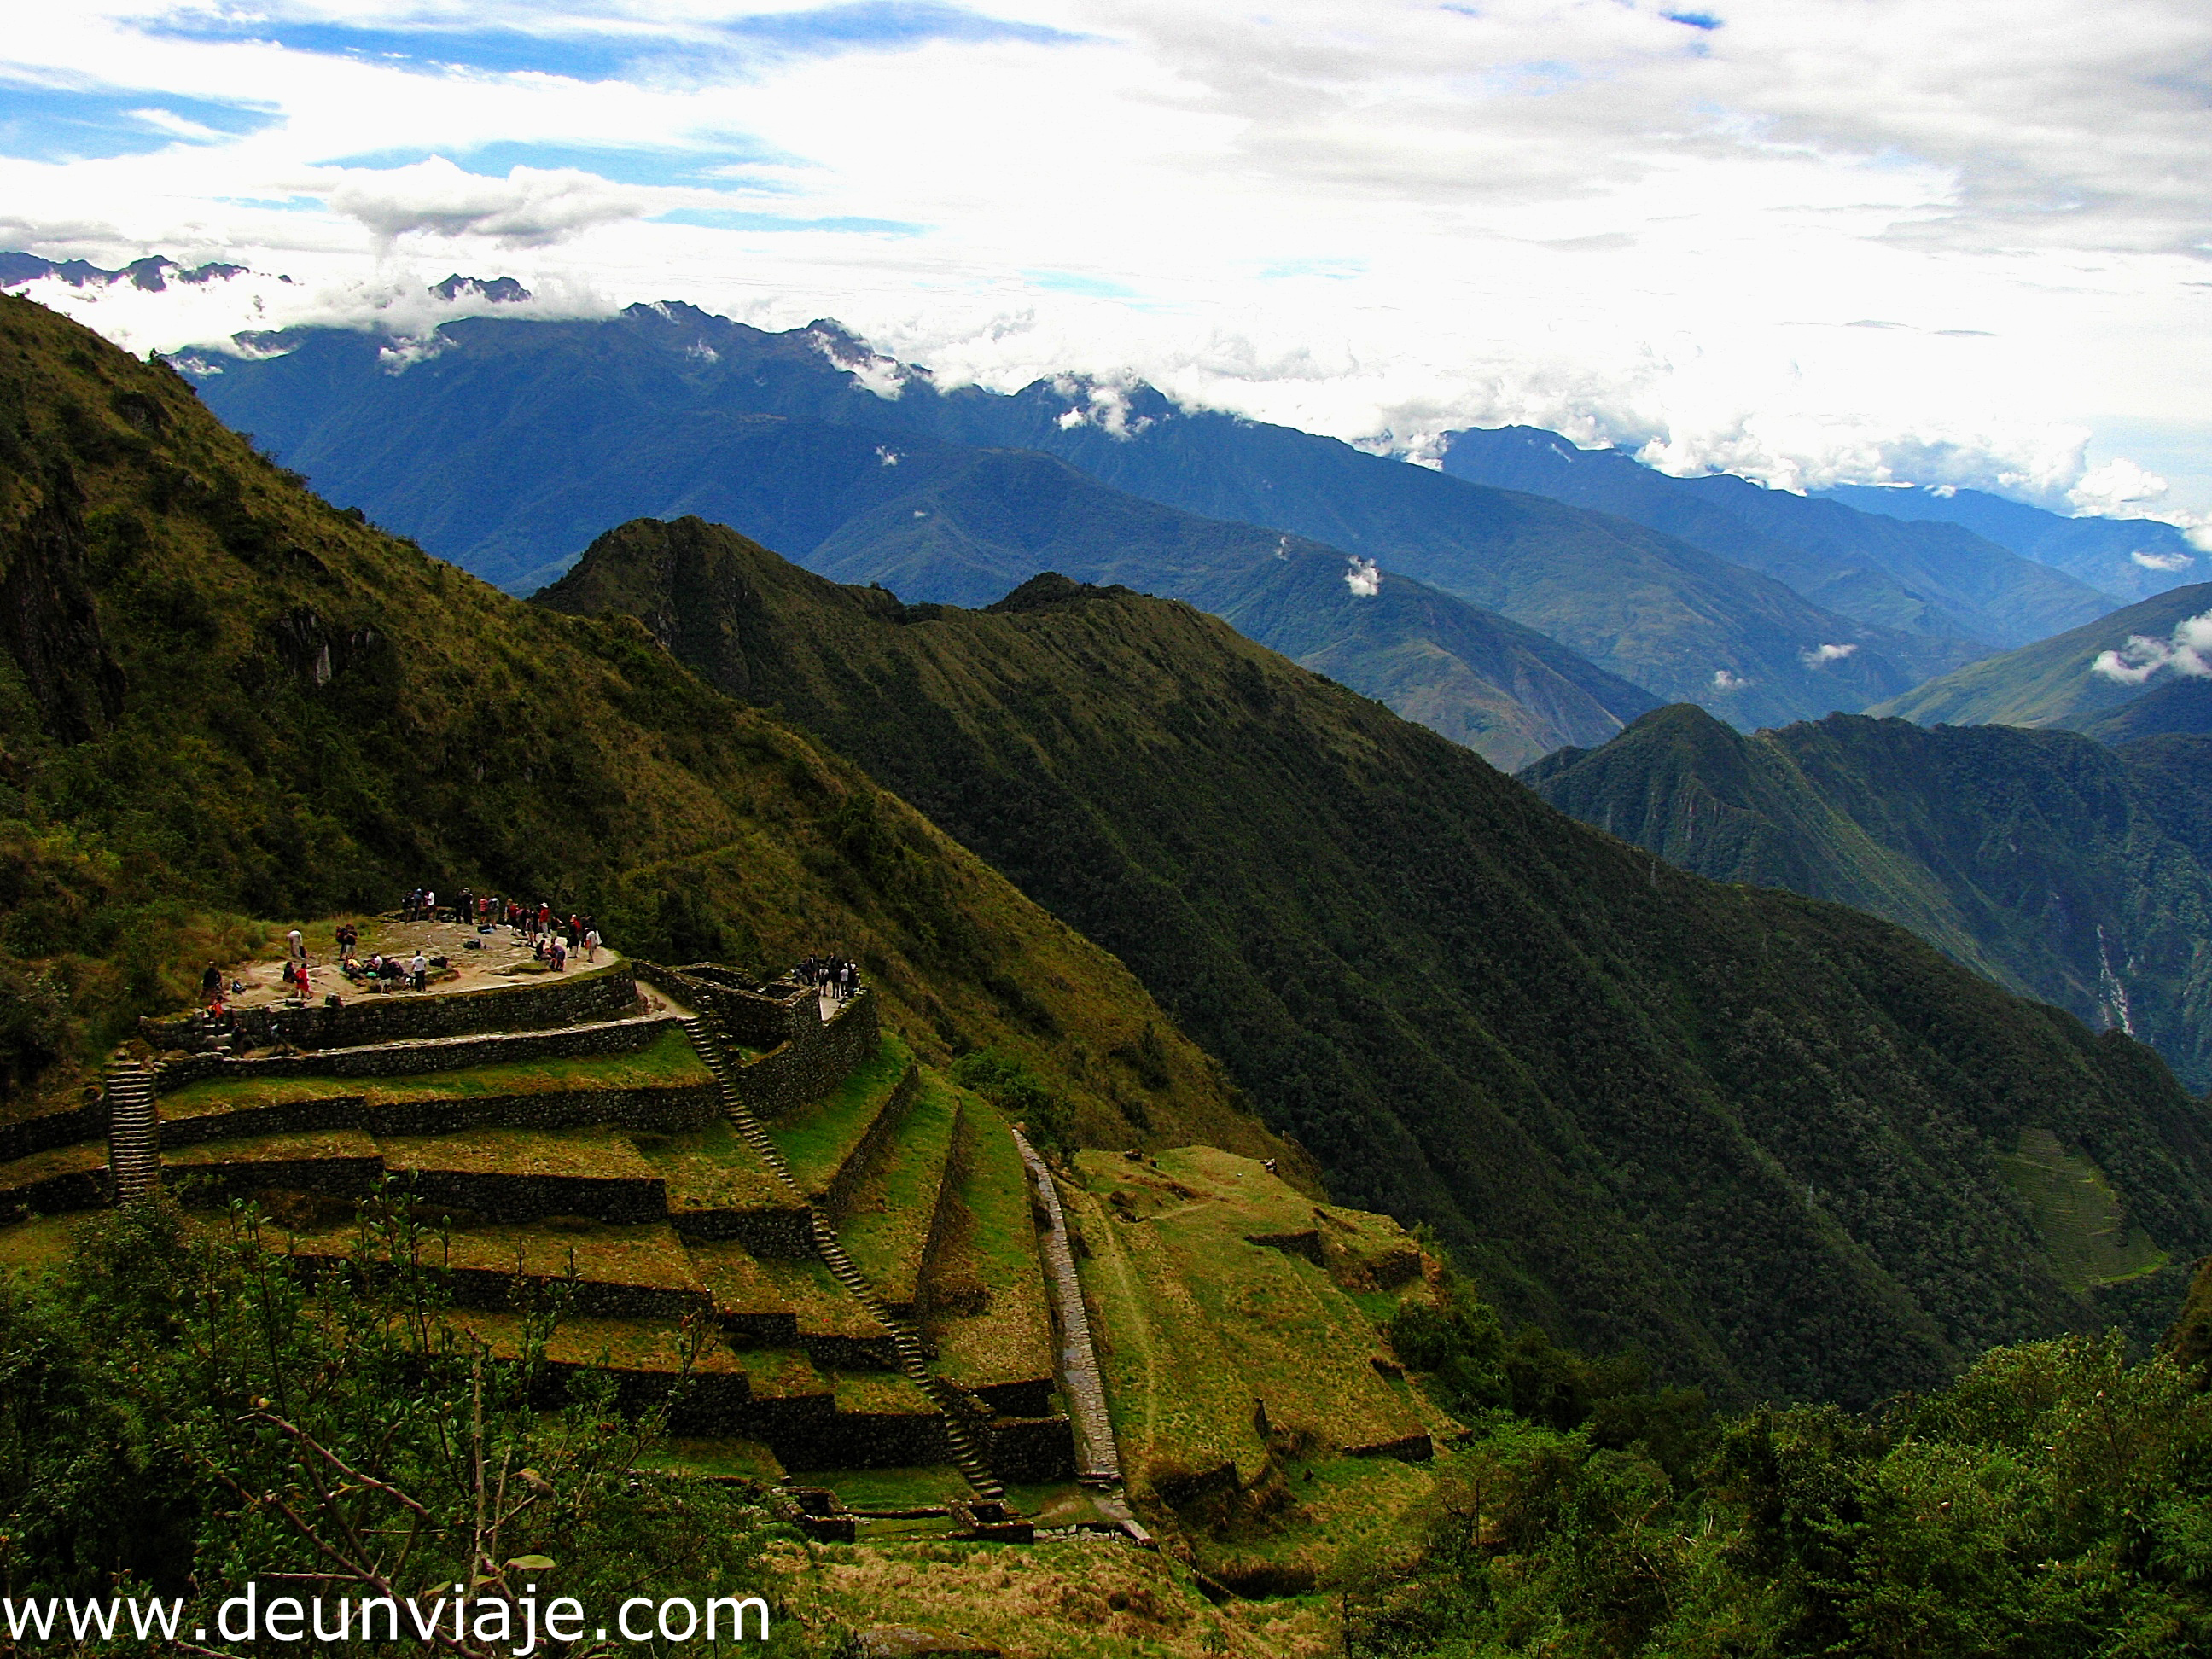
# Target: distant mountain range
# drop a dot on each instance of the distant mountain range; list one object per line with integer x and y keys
{"x": 1935, "y": 578}
{"x": 2133, "y": 558}
{"x": 507, "y": 444}
{"x": 2056, "y": 682}
{"x": 2070, "y": 872}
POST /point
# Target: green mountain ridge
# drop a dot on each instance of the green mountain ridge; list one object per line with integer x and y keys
{"x": 1936, "y": 579}
{"x": 508, "y": 444}
{"x": 2064, "y": 870}
{"x": 223, "y": 698}
{"x": 2053, "y": 681}
{"x": 1756, "y": 1134}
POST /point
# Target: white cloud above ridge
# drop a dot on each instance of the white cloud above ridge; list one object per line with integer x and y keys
{"x": 1382, "y": 222}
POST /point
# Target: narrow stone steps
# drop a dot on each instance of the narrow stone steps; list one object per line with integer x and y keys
{"x": 961, "y": 1428}
{"x": 133, "y": 1157}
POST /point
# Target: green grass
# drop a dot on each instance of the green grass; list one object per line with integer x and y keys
{"x": 824, "y": 1307}
{"x": 594, "y": 1153}
{"x": 888, "y": 1220}
{"x": 921, "y": 1486}
{"x": 1201, "y": 1326}
{"x": 783, "y": 1374}
{"x": 38, "y": 1244}
{"x": 817, "y": 1139}
{"x": 746, "y": 1460}
{"x": 880, "y": 1393}
{"x": 738, "y": 1284}
{"x": 989, "y": 1255}
{"x": 2077, "y": 1214}
{"x": 57, "y": 1160}
{"x": 714, "y": 1168}
{"x": 650, "y": 1255}
{"x": 311, "y": 1144}
{"x": 669, "y": 1062}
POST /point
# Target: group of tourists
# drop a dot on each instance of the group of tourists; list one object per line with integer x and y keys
{"x": 551, "y": 938}
{"x": 833, "y": 979}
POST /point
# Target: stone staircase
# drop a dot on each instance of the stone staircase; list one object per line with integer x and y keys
{"x": 962, "y": 1416}
{"x": 134, "y": 1148}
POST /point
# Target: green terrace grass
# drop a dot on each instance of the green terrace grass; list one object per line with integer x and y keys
{"x": 740, "y": 1460}
{"x": 631, "y": 1345}
{"x": 1200, "y": 1326}
{"x": 818, "y": 1138}
{"x": 714, "y": 1168}
{"x": 650, "y": 1256}
{"x": 739, "y": 1284}
{"x": 55, "y": 1161}
{"x": 38, "y": 1244}
{"x": 880, "y": 1393}
{"x": 989, "y": 1253}
{"x": 914, "y": 1487}
{"x": 888, "y": 1220}
{"x": 669, "y": 1062}
{"x": 308, "y": 1146}
{"x": 824, "y": 1307}
{"x": 592, "y": 1152}
{"x": 2082, "y": 1220}
{"x": 783, "y": 1374}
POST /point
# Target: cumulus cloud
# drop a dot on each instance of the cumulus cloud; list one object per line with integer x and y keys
{"x": 1725, "y": 681}
{"x": 2166, "y": 561}
{"x": 1819, "y": 656}
{"x": 2116, "y": 490}
{"x": 1362, "y": 577}
{"x": 531, "y": 207}
{"x": 2185, "y": 652}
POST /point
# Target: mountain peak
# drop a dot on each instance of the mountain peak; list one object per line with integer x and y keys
{"x": 501, "y": 290}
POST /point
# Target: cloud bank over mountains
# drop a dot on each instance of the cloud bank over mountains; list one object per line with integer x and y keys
{"x": 1804, "y": 242}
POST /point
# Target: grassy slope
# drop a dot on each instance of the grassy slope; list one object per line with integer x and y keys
{"x": 2065, "y": 870}
{"x": 2050, "y": 683}
{"x": 220, "y": 698}
{"x": 1607, "y": 1085}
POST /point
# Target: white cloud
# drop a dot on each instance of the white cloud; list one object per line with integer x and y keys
{"x": 1819, "y": 656}
{"x": 2117, "y": 490}
{"x": 1724, "y": 681}
{"x": 1383, "y": 220}
{"x": 1365, "y": 581}
{"x": 2187, "y": 652}
{"x": 2168, "y": 562}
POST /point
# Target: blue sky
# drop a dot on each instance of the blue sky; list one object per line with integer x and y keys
{"x": 1656, "y": 225}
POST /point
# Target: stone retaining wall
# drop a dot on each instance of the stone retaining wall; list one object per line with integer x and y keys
{"x": 52, "y": 1129}
{"x": 782, "y": 1234}
{"x": 667, "y": 1111}
{"x": 817, "y": 1058}
{"x": 863, "y": 1440}
{"x": 833, "y": 1199}
{"x": 1029, "y": 1451}
{"x": 400, "y": 1015}
{"x": 620, "y": 1200}
{"x": 413, "y": 1057}
{"x": 762, "y": 1017}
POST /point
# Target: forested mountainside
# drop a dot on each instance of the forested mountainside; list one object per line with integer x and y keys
{"x": 2055, "y": 682}
{"x": 2180, "y": 708}
{"x": 2072, "y": 873}
{"x": 2133, "y": 558}
{"x": 1762, "y": 1136}
{"x": 1934, "y": 578}
{"x": 221, "y": 698}
{"x": 506, "y": 445}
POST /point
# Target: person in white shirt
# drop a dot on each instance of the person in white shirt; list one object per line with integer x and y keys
{"x": 419, "y": 968}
